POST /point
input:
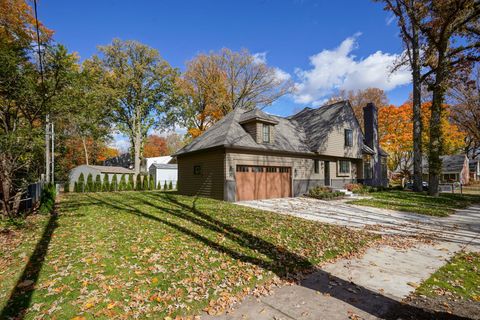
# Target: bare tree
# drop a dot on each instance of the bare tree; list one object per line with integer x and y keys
{"x": 465, "y": 100}
{"x": 359, "y": 99}
{"x": 216, "y": 83}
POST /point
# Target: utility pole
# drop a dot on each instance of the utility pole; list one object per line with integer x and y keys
{"x": 47, "y": 149}
{"x": 53, "y": 154}
{"x": 47, "y": 116}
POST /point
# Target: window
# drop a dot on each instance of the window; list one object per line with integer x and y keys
{"x": 344, "y": 167}
{"x": 367, "y": 167}
{"x": 242, "y": 169}
{"x": 257, "y": 169}
{"x": 449, "y": 177}
{"x": 317, "y": 166}
{"x": 197, "y": 170}
{"x": 266, "y": 133}
{"x": 271, "y": 169}
{"x": 284, "y": 169}
{"x": 348, "y": 138}
{"x": 384, "y": 168}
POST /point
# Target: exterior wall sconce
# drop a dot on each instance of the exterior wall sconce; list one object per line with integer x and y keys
{"x": 295, "y": 172}
{"x": 231, "y": 173}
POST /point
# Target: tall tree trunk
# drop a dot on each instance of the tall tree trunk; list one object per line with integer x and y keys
{"x": 137, "y": 146}
{"x": 417, "y": 114}
{"x": 5, "y": 187}
{"x": 436, "y": 138}
{"x": 85, "y": 150}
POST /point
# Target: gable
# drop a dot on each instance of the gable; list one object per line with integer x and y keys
{"x": 325, "y": 129}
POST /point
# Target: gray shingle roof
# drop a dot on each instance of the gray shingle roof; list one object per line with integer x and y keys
{"x": 110, "y": 169}
{"x": 164, "y": 165}
{"x": 290, "y": 133}
{"x": 453, "y": 163}
{"x": 256, "y": 114}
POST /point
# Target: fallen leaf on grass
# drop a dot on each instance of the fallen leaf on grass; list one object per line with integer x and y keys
{"x": 25, "y": 283}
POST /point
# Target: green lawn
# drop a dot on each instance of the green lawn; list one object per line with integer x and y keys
{"x": 458, "y": 279}
{"x": 440, "y": 206}
{"x": 154, "y": 254}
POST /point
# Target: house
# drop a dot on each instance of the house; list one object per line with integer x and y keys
{"x": 125, "y": 160}
{"x": 474, "y": 167}
{"x": 253, "y": 155}
{"x": 159, "y": 160}
{"x": 96, "y": 170}
{"x": 455, "y": 168}
{"x": 164, "y": 172}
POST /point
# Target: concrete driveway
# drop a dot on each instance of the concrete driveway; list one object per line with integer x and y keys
{"x": 463, "y": 227}
{"x": 365, "y": 287}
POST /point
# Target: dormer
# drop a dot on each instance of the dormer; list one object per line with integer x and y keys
{"x": 259, "y": 125}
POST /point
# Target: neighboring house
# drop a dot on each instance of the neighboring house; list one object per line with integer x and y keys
{"x": 253, "y": 155}
{"x": 125, "y": 160}
{"x": 474, "y": 167}
{"x": 162, "y": 172}
{"x": 96, "y": 170}
{"x": 455, "y": 168}
{"x": 158, "y": 160}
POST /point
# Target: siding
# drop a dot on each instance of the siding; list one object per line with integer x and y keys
{"x": 334, "y": 142}
{"x": 303, "y": 169}
{"x": 255, "y": 129}
{"x": 210, "y": 183}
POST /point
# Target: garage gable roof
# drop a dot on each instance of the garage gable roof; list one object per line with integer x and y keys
{"x": 164, "y": 165}
{"x": 303, "y": 132}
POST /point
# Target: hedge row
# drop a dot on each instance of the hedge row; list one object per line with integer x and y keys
{"x": 126, "y": 182}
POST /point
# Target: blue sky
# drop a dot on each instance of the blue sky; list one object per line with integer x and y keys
{"x": 321, "y": 45}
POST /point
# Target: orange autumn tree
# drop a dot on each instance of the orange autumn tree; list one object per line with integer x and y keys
{"x": 395, "y": 128}
{"x": 73, "y": 154}
{"x": 155, "y": 146}
{"x": 453, "y": 140}
{"x": 396, "y": 134}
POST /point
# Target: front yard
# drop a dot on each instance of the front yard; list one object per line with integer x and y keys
{"x": 421, "y": 203}
{"x": 154, "y": 254}
{"x": 454, "y": 289}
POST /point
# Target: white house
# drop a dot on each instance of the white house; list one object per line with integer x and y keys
{"x": 96, "y": 170}
{"x": 162, "y": 172}
{"x": 158, "y": 160}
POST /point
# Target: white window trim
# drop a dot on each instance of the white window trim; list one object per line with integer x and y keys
{"x": 343, "y": 174}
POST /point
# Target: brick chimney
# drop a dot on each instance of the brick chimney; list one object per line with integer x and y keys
{"x": 370, "y": 119}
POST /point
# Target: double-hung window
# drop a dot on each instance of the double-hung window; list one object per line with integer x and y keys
{"x": 344, "y": 167}
{"x": 348, "y": 137}
{"x": 266, "y": 133}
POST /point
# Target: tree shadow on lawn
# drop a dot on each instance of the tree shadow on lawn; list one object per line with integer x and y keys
{"x": 283, "y": 263}
{"x": 21, "y": 295}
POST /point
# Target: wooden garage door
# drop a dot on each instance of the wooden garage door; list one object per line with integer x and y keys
{"x": 259, "y": 182}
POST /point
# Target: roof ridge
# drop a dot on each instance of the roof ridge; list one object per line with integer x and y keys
{"x": 230, "y": 125}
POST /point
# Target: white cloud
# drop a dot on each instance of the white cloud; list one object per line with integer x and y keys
{"x": 261, "y": 58}
{"x": 281, "y": 75}
{"x": 340, "y": 69}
